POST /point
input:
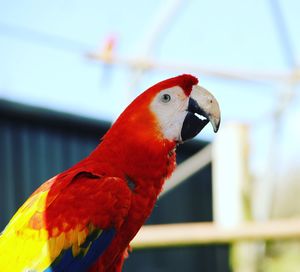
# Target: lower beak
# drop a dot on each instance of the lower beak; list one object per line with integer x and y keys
{"x": 202, "y": 109}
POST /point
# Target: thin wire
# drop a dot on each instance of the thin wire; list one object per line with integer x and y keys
{"x": 34, "y": 36}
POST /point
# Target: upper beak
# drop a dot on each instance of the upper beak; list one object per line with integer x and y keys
{"x": 202, "y": 108}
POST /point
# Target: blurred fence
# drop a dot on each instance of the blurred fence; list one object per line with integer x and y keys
{"x": 36, "y": 144}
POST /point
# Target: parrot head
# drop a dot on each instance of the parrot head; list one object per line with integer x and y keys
{"x": 176, "y": 109}
{"x": 183, "y": 108}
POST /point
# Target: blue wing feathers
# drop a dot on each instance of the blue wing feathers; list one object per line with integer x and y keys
{"x": 97, "y": 244}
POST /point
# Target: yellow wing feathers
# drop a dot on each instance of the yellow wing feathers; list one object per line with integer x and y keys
{"x": 25, "y": 244}
{"x": 19, "y": 242}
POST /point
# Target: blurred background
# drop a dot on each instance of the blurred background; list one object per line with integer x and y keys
{"x": 68, "y": 69}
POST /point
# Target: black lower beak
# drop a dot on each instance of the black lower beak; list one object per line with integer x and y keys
{"x": 192, "y": 123}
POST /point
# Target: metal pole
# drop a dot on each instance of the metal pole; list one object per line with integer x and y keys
{"x": 154, "y": 34}
{"x": 227, "y": 74}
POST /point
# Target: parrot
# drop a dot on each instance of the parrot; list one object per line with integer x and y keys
{"x": 84, "y": 218}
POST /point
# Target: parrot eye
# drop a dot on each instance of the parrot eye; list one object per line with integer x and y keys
{"x": 165, "y": 98}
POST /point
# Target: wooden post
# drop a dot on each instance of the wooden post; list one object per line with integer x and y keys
{"x": 231, "y": 197}
{"x": 230, "y": 174}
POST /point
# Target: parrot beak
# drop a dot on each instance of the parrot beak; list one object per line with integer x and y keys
{"x": 202, "y": 109}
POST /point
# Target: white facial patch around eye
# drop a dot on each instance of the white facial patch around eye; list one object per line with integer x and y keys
{"x": 170, "y": 113}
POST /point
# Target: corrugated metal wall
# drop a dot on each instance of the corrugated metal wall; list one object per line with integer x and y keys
{"x": 36, "y": 144}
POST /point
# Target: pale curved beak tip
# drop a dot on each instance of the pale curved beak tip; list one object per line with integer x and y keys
{"x": 215, "y": 124}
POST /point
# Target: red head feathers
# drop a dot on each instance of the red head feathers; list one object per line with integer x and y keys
{"x": 184, "y": 81}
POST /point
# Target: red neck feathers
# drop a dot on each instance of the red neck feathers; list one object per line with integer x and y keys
{"x": 135, "y": 146}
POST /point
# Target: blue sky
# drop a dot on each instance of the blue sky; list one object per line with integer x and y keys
{"x": 43, "y": 46}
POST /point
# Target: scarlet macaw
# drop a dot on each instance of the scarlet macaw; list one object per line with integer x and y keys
{"x": 84, "y": 218}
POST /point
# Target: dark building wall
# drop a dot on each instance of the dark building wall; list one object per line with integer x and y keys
{"x": 36, "y": 144}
